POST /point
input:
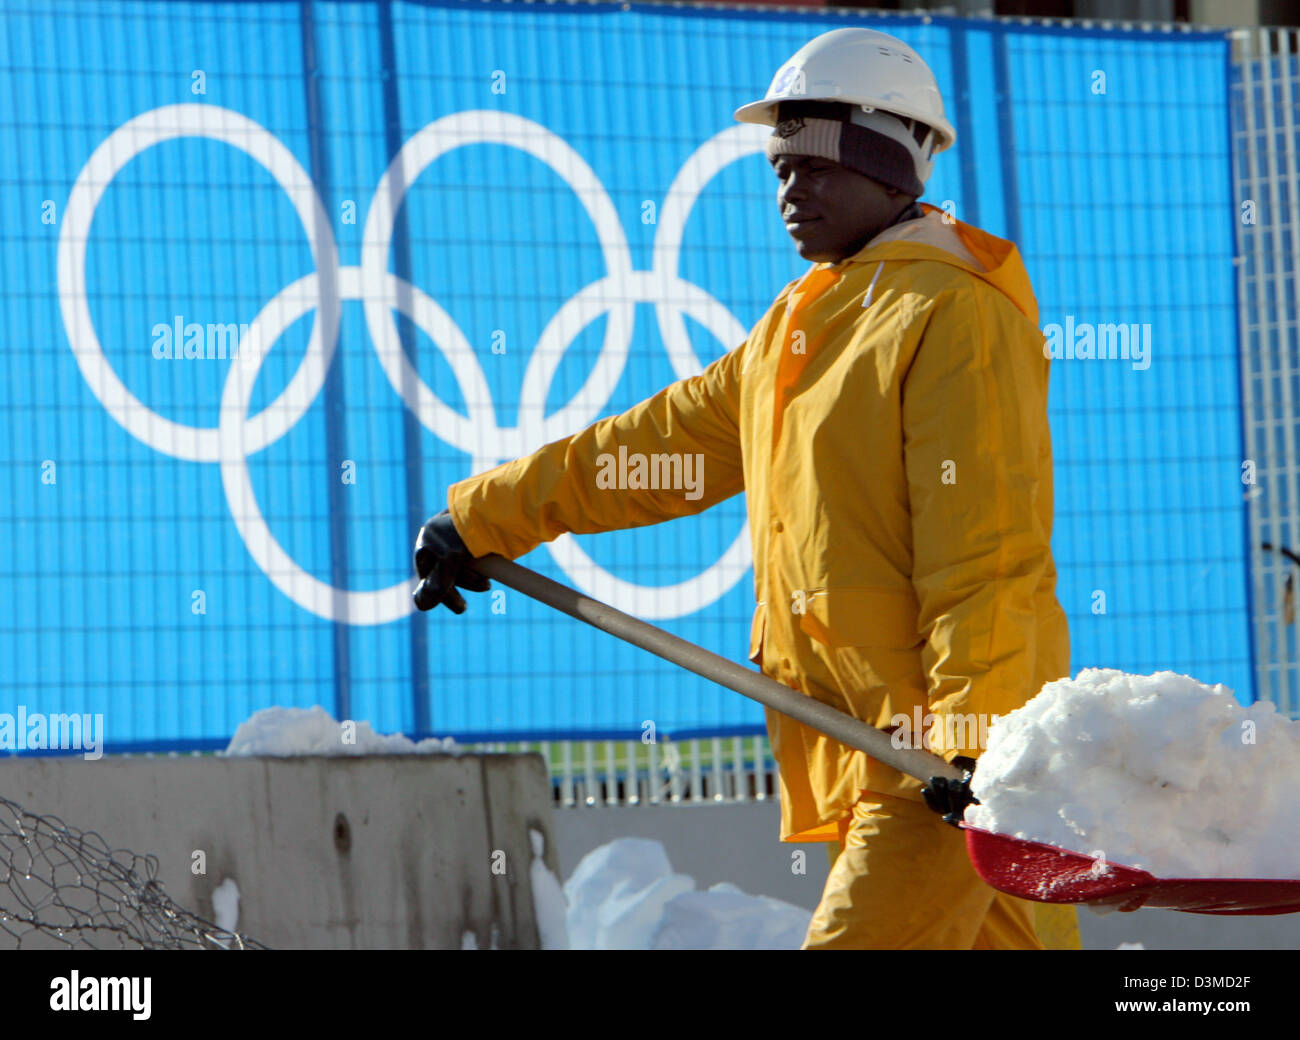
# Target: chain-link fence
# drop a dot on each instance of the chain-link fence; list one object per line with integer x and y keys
{"x": 64, "y": 888}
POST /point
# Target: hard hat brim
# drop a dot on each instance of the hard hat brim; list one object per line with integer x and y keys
{"x": 763, "y": 113}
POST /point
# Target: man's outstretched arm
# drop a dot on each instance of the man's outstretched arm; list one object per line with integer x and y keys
{"x": 565, "y": 486}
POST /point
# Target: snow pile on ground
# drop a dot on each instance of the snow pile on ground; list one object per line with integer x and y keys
{"x": 725, "y": 918}
{"x": 1155, "y": 771}
{"x": 625, "y": 896}
{"x": 225, "y": 905}
{"x": 286, "y": 732}
{"x": 548, "y": 897}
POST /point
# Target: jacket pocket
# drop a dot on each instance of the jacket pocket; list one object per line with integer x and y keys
{"x": 862, "y": 615}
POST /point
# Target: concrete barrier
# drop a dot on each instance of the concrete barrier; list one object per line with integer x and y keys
{"x": 402, "y": 851}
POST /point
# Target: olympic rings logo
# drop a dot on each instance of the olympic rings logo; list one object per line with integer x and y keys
{"x": 239, "y": 435}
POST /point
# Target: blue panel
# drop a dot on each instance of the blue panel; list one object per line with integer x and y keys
{"x": 163, "y": 616}
{"x": 1148, "y": 450}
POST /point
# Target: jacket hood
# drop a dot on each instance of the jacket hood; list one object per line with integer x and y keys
{"x": 995, "y": 260}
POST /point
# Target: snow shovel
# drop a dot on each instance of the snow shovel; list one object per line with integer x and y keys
{"x": 1026, "y": 869}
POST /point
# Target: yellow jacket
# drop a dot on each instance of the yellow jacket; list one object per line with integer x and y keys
{"x": 887, "y": 419}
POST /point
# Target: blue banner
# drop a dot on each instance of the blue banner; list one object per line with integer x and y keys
{"x": 277, "y": 274}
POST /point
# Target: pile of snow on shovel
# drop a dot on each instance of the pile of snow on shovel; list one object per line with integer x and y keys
{"x": 1159, "y": 772}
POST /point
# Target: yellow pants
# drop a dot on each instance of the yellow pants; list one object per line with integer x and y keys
{"x": 903, "y": 880}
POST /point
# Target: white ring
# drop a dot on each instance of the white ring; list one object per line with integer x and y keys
{"x": 478, "y": 434}
{"x": 659, "y": 287}
{"x": 194, "y": 443}
{"x": 309, "y": 592}
{"x": 427, "y": 145}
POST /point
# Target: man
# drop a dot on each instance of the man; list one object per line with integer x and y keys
{"x": 888, "y": 420}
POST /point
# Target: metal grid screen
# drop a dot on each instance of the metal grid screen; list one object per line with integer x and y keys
{"x": 440, "y": 234}
{"x": 1266, "y": 92}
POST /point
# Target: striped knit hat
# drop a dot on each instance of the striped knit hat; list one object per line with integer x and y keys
{"x": 885, "y": 147}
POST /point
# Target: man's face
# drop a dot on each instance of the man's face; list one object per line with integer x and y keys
{"x": 831, "y": 211}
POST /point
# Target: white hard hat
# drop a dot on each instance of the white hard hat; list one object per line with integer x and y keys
{"x": 858, "y": 67}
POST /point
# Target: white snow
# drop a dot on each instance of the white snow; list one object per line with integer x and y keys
{"x": 548, "y": 897}
{"x": 618, "y": 893}
{"x": 725, "y": 918}
{"x": 625, "y": 896}
{"x": 225, "y": 905}
{"x": 1160, "y": 772}
{"x": 286, "y": 732}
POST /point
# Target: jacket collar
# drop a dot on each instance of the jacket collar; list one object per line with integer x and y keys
{"x": 935, "y": 236}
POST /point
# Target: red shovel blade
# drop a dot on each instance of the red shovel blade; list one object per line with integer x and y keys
{"x": 1048, "y": 874}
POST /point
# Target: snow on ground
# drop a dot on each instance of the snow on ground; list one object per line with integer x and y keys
{"x": 469, "y": 940}
{"x": 548, "y": 897}
{"x": 286, "y": 732}
{"x": 625, "y": 896}
{"x": 1155, "y": 771}
{"x": 225, "y": 905}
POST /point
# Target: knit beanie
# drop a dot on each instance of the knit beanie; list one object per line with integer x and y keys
{"x": 887, "y": 148}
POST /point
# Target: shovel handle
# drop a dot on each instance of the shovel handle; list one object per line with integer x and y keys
{"x": 811, "y": 712}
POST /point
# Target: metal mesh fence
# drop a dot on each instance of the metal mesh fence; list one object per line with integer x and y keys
{"x": 139, "y": 154}
{"x": 63, "y": 888}
{"x": 1266, "y": 152}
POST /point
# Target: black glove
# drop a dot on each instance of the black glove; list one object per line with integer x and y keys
{"x": 949, "y": 798}
{"x": 442, "y": 562}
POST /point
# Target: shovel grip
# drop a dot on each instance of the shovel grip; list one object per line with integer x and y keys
{"x": 811, "y": 712}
